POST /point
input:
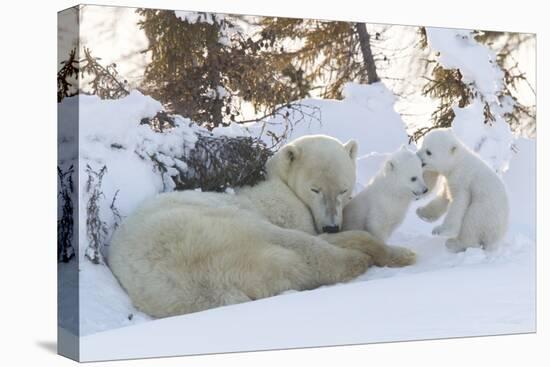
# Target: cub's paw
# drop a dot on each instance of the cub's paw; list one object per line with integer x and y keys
{"x": 454, "y": 245}
{"x": 444, "y": 231}
{"x": 426, "y": 214}
{"x": 399, "y": 256}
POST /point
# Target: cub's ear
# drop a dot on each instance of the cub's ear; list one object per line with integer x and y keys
{"x": 390, "y": 166}
{"x": 279, "y": 164}
{"x": 453, "y": 149}
{"x": 351, "y": 147}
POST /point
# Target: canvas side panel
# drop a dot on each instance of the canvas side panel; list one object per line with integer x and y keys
{"x": 67, "y": 184}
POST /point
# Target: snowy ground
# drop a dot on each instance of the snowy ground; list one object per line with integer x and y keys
{"x": 462, "y": 298}
{"x": 443, "y": 295}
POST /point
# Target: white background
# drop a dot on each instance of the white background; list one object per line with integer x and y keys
{"x": 28, "y": 182}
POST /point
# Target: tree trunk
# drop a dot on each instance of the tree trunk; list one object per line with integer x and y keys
{"x": 214, "y": 81}
{"x": 364, "y": 41}
{"x": 217, "y": 105}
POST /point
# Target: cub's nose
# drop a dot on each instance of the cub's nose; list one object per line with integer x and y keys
{"x": 331, "y": 229}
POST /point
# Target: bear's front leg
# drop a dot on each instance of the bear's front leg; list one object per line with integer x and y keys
{"x": 453, "y": 221}
{"x": 435, "y": 208}
{"x": 381, "y": 254}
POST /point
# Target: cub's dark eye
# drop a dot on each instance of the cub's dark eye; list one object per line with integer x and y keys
{"x": 428, "y": 152}
{"x": 413, "y": 179}
{"x": 343, "y": 192}
{"x": 315, "y": 190}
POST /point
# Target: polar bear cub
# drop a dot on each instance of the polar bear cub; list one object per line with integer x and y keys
{"x": 477, "y": 214}
{"x": 381, "y": 207}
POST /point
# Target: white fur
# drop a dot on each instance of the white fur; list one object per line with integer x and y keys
{"x": 188, "y": 251}
{"x": 381, "y": 207}
{"x": 438, "y": 206}
{"x": 476, "y": 198}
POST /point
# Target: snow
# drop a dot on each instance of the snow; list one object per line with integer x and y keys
{"x": 443, "y": 295}
{"x": 365, "y": 114}
{"x": 459, "y": 50}
{"x": 521, "y": 184}
{"x": 417, "y": 306}
{"x": 199, "y": 17}
{"x": 227, "y": 30}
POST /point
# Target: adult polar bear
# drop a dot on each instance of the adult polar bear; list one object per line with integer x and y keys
{"x": 189, "y": 251}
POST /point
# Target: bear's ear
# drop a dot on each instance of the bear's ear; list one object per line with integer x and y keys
{"x": 290, "y": 153}
{"x": 279, "y": 164}
{"x": 351, "y": 147}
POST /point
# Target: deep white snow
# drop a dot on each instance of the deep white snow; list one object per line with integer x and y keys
{"x": 443, "y": 295}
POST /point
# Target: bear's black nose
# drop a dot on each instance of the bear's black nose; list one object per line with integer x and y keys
{"x": 425, "y": 190}
{"x": 331, "y": 229}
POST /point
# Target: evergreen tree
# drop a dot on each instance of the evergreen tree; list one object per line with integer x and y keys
{"x": 203, "y": 67}
{"x": 331, "y": 53}
{"x": 522, "y": 118}
{"x": 448, "y": 87}
{"x": 89, "y": 76}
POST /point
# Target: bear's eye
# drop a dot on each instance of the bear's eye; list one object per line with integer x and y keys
{"x": 428, "y": 152}
{"x": 343, "y": 192}
{"x": 413, "y": 179}
{"x": 315, "y": 190}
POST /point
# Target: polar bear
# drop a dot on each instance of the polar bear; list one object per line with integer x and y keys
{"x": 188, "y": 251}
{"x": 382, "y": 205}
{"x": 477, "y": 202}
